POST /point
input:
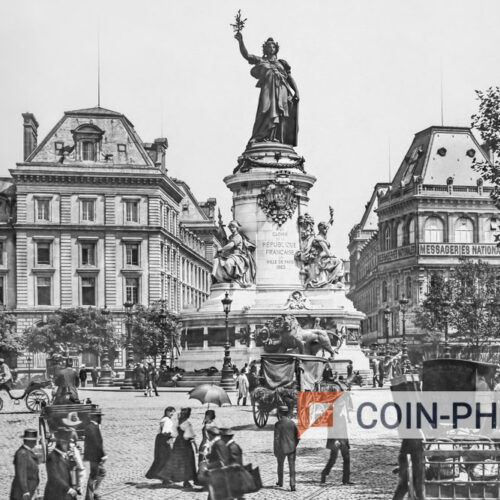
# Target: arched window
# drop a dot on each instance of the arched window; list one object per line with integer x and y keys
{"x": 396, "y": 289}
{"x": 399, "y": 235}
{"x": 408, "y": 287}
{"x": 384, "y": 291}
{"x": 433, "y": 230}
{"x": 411, "y": 232}
{"x": 387, "y": 238}
{"x": 490, "y": 229}
{"x": 88, "y": 151}
{"x": 464, "y": 231}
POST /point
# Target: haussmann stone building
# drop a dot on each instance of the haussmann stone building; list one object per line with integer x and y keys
{"x": 435, "y": 210}
{"x": 91, "y": 218}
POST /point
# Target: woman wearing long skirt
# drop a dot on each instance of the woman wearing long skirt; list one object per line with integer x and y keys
{"x": 163, "y": 451}
{"x": 207, "y": 421}
{"x": 182, "y": 466}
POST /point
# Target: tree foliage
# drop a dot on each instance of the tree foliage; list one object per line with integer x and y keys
{"x": 11, "y": 342}
{"x": 154, "y": 330}
{"x": 433, "y": 312}
{"x": 475, "y": 313}
{"x": 469, "y": 300}
{"x": 487, "y": 122}
{"x": 77, "y": 329}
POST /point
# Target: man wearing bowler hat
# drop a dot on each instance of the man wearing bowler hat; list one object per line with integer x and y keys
{"x": 285, "y": 444}
{"x": 26, "y": 468}
{"x": 218, "y": 454}
{"x": 94, "y": 453}
{"x": 234, "y": 450}
{"x": 59, "y": 467}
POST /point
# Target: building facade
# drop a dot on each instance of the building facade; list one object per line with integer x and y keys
{"x": 436, "y": 210}
{"x": 91, "y": 218}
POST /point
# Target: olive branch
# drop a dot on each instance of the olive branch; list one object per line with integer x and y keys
{"x": 239, "y": 23}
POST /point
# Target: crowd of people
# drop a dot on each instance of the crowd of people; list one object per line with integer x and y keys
{"x": 177, "y": 459}
{"x": 65, "y": 470}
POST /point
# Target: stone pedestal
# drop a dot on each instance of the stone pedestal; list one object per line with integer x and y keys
{"x": 270, "y": 191}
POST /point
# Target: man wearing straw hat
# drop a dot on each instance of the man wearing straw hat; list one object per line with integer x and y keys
{"x": 94, "y": 453}
{"x": 59, "y": 466}
{"x": 78, "y": 473}
{"x": 26, "y": 478}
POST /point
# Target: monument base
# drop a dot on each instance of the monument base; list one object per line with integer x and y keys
{"x": 252, "y": 307}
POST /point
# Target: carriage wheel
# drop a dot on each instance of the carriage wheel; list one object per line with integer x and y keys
{"x": 260, "y": 415}
{"x": 44, "y": 442}
{"x": 411, "y": 486}
{"x": 36, "y": 399}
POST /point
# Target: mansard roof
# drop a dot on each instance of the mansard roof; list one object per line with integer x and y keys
{"x": 369, "y": 220}
{"x": 117, "y": 128}
{"x": 190, "y": 215}
{"x": 438, "y": 153}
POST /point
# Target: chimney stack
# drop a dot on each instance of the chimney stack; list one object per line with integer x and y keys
{"x": 161, "y": 146}
{"x": 30, "y": 133}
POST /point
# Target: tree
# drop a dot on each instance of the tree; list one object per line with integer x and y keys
{"x": 487, "y": 122}
{"x": 433, "y": 312}
{"x": 475, "y": 315}
{"x": 77, "y": 329}
{"x": 11, "y": 342}
{"x": 154, "y": 330}
{"x": 467, "y": 303}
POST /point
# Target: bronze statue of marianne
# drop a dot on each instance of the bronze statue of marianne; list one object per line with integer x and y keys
{"x": 277, "y": 111}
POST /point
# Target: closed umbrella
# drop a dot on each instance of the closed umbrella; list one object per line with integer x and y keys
{"x": 210, "y": 394}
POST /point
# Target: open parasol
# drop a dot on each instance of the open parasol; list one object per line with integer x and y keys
{"x": 210, "y": 394}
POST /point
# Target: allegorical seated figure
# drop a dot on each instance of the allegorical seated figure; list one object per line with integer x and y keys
{"x": 320, "y": 266}
{"x": 235, "y": 261}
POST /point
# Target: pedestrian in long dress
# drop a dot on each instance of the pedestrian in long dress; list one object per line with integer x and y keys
{"x": 163, "y": 449}
{"x": 182, "y": 466}
{"x": 208, "y": 420}
{"x": 26, "y": 478}
{"x": 242, "y": 385}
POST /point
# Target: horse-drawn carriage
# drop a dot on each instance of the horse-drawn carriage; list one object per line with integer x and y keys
{"x": 35, "y": 395}
{"x": 465, "y": 464}
{"x": 282, "y": 375}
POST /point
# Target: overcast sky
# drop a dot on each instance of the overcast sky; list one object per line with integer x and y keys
{"x": 368, "y": 74}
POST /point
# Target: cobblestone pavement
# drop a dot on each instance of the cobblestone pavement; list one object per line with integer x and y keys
{"x": 130, "y": 425}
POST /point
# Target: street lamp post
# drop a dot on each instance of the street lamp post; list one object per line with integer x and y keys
{"x": 128, "y": 383}
{"x": 163, "y": 321}
{"x": 227, "y": 380}
{"x": 446, "y": 313}
{"x": 387, "y": 317}
{"x": 405, "y": 361}
{"x": 29, "y": 360}
{"x": 106, "y": 379}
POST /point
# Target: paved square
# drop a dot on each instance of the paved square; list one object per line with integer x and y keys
{"x": 130, "y": 425}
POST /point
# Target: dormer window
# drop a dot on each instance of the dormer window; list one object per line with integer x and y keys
{"x": 88, "y": 151}
{"x": 88, "y": 139}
